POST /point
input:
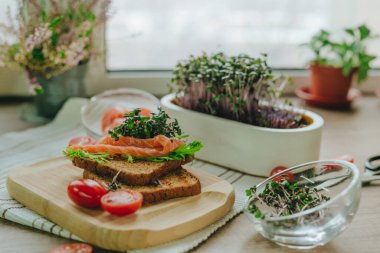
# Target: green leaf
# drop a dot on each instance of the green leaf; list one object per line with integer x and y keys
{"x": 99, "y": 158}
{"x": 13, "y": 50}
{"x": 54, "y": 39}
{"x": 39, "y": 90}
{"x": 56, "y": 21}
{"x": 179, "y": 154}
{"x": 350, "y": 31}
{"x": 363, "y": 72}
{"x": 91, "y": 16}
{"x": 89, "y": 32}
{"x": 347, "y": 68}
{"x": 43, "y": 16}
{"x": 69, "y": 14}
{"x": 38, "y": 55}
{"x": 183, "y": 136}
{"x": 62, "y": 54}
{"x": 364, "y": 32}
{"x": 129, "y": 158}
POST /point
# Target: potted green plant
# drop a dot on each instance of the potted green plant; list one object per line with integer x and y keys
{"x": 52, "y": 42}
{"x": 336, "y": 62}
{"x": 232, "y": 104}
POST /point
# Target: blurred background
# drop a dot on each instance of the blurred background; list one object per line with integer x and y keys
{"x": 143, "y": 40}
{"x": 153, "y": 35}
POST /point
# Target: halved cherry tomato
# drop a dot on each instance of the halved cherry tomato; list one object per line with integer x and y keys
{"x": 72, "y": 248}
{"x": 346, "y": 157}
{"x": 335, "y": 167}
{"x": 285, "y": 175}
{"x": 122, "y": 202}
{"x": 276, "y": 170}
{"x": 86, "y": 192}
{"x": 82, "y": 140}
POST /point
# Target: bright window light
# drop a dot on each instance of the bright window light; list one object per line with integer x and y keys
{"x": 154, "y": 35}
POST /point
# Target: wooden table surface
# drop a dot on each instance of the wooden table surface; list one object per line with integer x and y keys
{"x": 355, "y": 132}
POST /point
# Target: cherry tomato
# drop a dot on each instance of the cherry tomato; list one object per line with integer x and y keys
{"x": 335, "y": 167}
{"x": 82, "y": 140}
{"x": 122, "y": 202}
{"x": 72, "y": 248}
{"x": 285, "y": 175}
{"x": 86, "y": 192}
{"x": 276, "y": 170}
{"x": 346, "y": 157}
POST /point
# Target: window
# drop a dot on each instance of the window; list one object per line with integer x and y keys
{"x": 154, "y": 35}
{"x": 145, "y": 39}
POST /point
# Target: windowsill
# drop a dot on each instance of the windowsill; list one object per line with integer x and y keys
{"x": 13, "y": 83}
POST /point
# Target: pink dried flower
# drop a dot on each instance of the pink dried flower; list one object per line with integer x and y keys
{"x": 53, "y": 36}
{"x": 35, "y": 39}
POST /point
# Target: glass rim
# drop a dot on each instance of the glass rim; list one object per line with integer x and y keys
{"x": 354, "y": 180}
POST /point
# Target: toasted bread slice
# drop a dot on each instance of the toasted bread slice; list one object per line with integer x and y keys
{"x": 176, "y": 184}
{"x": 132, "y": 173}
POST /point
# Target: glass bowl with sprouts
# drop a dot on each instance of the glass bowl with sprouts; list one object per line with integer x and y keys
{"x": 307, "y": 205}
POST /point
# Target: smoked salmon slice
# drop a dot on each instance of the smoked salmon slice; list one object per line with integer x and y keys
{"x": 153, "y": 147}
{"x": 111, "y": 114}
{"x": 145, "y": 143}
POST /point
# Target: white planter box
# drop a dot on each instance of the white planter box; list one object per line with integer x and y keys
{"x": 251, "y": 149}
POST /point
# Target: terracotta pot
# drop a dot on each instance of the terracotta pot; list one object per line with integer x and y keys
{"x": 329, "y": 82}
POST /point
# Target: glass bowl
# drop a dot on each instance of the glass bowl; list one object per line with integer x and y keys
{"x": 92, "y": 113}
{"x": 338, "y": 180}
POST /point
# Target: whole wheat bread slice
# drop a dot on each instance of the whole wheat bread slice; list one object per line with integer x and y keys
{"x": 132, "y": 173}
{"x": 176, "y": 184}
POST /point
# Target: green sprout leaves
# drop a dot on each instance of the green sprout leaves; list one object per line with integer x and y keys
{"x": 143, "y": 127}
{"x": 284, "y": 198}
{"x": 240, "y": 88}
{"x": 350, "y": 53}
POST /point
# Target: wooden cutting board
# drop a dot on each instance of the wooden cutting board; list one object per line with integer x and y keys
{"x": 42, "y": 188}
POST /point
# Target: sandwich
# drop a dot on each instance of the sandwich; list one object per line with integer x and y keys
{"x": 142, "y": 153}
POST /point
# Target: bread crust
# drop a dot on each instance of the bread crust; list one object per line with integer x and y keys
{"x": 131, "y": 173}
{"x": 176, "y": 184}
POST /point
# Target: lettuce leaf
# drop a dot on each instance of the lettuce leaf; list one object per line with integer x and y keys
{"x": 179, "y": 154}
{"x": 99, "y": 158}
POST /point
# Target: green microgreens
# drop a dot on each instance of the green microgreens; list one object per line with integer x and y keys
{"x": 114, "y": 185}
{"x": 99, "y": 158}
{"x": 240, "y": 88}
{"x": 285, "y": 198}
{"x": 143, "y": 127}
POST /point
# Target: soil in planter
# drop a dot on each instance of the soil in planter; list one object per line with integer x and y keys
{"x": 307, "y": 120}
